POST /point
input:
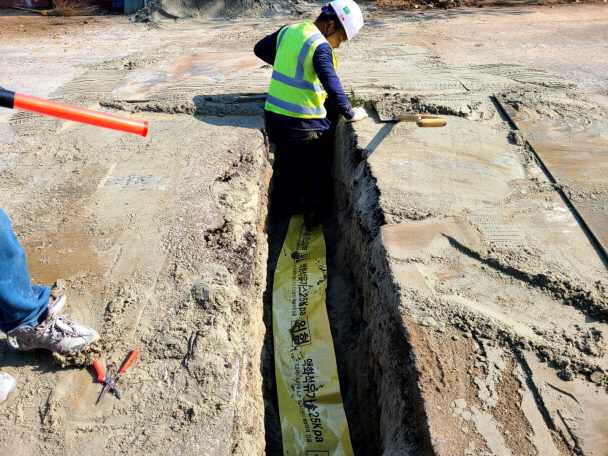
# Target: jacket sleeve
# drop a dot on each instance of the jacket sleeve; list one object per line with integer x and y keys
{"x": 266, "y": 48}
{"x": 323, "y": 64}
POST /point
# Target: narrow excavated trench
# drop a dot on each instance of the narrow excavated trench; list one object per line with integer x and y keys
{"x": 381, "y": 401}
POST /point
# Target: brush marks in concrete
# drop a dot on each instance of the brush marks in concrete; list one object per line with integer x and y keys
{"x": 495, "y": 76}
{"x": 402, "y": 68}
{"x": 204, "y": 72}
{"x": 568, "y": 134}
{"x": 473, "y": 264}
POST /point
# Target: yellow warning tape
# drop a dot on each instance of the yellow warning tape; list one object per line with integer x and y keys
{"x": 313, "y": 422}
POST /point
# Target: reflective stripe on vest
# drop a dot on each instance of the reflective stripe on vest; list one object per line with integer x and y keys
{"x": 306, "y": 112}
{"x": 295, "y": 89}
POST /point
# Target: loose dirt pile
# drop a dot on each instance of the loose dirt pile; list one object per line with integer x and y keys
{"x": 226, "y": 10}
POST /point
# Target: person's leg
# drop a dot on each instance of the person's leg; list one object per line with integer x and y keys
{"x": 301, "y": 168}
{"x": 309, "y": 156}
{"x": 20, "y": 303}
{"x": 287, "y": 174}
{"x": 55, "y": 332}
{"x": 320, "y": 190}
{"x": 25, "y": 315}
{"x": 281, "y": 174}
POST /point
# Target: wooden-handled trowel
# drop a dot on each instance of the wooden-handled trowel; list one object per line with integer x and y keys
{"x": 421, "y": 121}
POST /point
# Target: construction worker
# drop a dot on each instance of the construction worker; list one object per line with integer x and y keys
{"x": 296, "y": 111}
{"x": 25, "y": 316}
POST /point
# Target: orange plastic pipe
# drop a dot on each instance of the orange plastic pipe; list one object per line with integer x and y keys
{"x": 74, "y": 113}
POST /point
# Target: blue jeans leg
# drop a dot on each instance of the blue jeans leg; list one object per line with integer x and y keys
{"x": 21, "y": 303}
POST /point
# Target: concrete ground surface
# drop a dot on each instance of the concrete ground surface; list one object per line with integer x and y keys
{"x": 468, "y": 301}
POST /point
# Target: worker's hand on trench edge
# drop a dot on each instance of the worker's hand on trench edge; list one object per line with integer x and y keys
{"x": 359, "y": 114}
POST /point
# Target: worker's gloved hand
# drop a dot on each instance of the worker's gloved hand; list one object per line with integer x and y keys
{"x": 359, "y": 114}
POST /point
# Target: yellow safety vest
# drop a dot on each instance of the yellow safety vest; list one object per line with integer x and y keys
{"x": 295, "y": 89}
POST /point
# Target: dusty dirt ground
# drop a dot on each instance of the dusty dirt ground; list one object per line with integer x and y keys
{"x": 164, "y": 242}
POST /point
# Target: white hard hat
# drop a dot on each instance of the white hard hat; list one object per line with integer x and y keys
{"x": 350, "y": 16}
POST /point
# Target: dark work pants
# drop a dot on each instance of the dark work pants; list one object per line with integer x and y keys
{"x": 301, "y": 168}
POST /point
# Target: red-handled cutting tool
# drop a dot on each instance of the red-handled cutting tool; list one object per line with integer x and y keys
{"x": 110, "y": 382}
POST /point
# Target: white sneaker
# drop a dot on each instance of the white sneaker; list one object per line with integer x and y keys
{"x": 55, "y": 333}
{"x": 7, "y": 386}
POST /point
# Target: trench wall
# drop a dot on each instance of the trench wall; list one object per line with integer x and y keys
{"x": 379, "y": 361}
